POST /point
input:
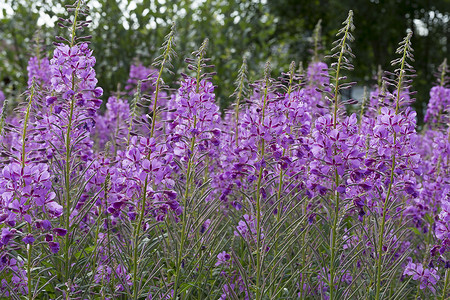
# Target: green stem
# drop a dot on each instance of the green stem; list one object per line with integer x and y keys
{"x": 280, "y": 188}
{"x": 417, "y": 292}
{"x": 23, "y": 159}
{"x": 68, "y": 167}
{"x": 444, "y": 69}
{"x": 447, "y": 277}
{"x": 386, "y": 200}
{"x": 237, "y": 120}
{"x": 383, "y": 225}
{"x": 184, "y": 216}
{"x": 137, "y": 231}
{"x": 333, "y": 238}
{"x": 258, "y": 226}
{"x": 97, "y": 233}
{"x": 258, "y": 203}
{"x": 302, "y": 282}
{"x": 74, "y": 24}
{"x": 136, "y": 99}
{"x": 400, "y": 79}
{"x": 30, "y": 280}
{"x": 183, "y": 234}
{"x": 67, "y": 188}
{"x": 336, "y": 195}
{"x": 108, "y": 229}
{"x": 25, "y": 125}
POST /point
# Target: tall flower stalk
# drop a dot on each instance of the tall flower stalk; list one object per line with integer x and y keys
{"x": 317, "y": 40}
{"x": 200, "y": 64}
{"x": 164, "y": 62}
{"x": 136, "y": 236}
{"x": 405, "y": 51}
{"x": 73, "y": 81}
{"x": 68, "y": 150}
{"x": 342, "y": 53}
{"x": 258, "y": 211}
{"x": 23, "y": 163}
{"x": 290, "y": 89}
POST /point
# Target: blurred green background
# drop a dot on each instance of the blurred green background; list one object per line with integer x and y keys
{"x": 126, "y": 31}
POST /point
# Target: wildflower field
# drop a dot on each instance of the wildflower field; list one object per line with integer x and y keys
{"x": 294, "y": 192}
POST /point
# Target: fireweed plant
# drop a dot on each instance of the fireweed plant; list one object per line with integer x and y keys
{"x": 286, "y": 195}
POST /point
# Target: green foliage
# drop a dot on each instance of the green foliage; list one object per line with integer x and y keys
{"x": 281, "y": 31}
{"x": 381, "y": 24}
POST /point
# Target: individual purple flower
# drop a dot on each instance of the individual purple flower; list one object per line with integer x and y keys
{"x": 50, "y": 100}
{"x": 43, "y": 224}
{"x": 223, "y": 259}
{"x": 247, "y": 228}
{"x": 54, "y": 247}
{"x": 48, "y": 237}
{"x": 54, "y": 209}
{"x": 427, "y": 277}
{"x": 60, "y": 231}
{"x": 28, "y": 239}
{"x": 6, "y": 235}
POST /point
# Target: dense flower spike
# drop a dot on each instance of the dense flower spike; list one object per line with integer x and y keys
{"x": 39, "y": 69}
{"x": 439, "y": 103}
{"x": 113, "y": 125}
{"x": 73, "y": 74}
{"x": 137, "y": 73}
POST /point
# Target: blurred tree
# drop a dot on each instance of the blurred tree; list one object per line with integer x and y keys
{"x": 127, "y": 31}
{"x": 16, "y": 39}
{"x": 124, "y": 31}
{"x": 380, "y": 25}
